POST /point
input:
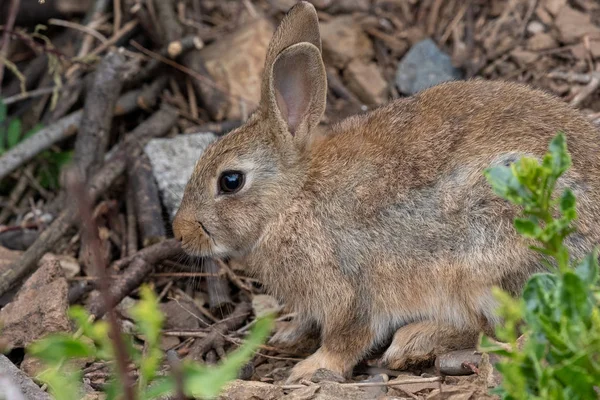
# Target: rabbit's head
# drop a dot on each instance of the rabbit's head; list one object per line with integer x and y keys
{"x": 247, "y": 177}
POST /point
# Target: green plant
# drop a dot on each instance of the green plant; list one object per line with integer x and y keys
{"x": 92, "y": 342}
{"x": 51, "y": 162}
{"x": 559, "y": 311}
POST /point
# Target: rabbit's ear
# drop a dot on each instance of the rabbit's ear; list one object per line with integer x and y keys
{"x": 295, "y": 84}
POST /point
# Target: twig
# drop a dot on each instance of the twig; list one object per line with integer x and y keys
{"x": 571, "y": 77}
{"x": 132, "y": 233}
{"x": 155, "y": 126}
{"x": 374, "y": 384}
{"x": 118, "y": 16}
{"x": 62, "y": 129}
{"x": 217, "y": 337}
{"x": 10, "y": 23}
{"x": 38, "y": 92}
{"x": 79, "y": 27}
{"x": 233, "y": 277}
{"x": 588, "y": 89}
{"x": 90, "y": 233}
{"x": 98, "y": 110}
{"x": 137, "y": 271}
{"x": 147, "y": 201}
{"x": 14, "y": 197}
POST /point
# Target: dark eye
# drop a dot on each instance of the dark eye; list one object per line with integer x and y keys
{"x": 231, "y": 181}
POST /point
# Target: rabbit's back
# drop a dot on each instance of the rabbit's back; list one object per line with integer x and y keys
{"x": 400, "y": 197}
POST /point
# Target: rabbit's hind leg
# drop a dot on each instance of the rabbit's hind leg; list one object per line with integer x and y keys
{"x": 420, "y": 342}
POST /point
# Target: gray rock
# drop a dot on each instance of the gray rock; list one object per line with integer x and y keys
{"x": 15, "y": 384}
{"x": 424, "y": 66}
{"x": 173, "y": 161}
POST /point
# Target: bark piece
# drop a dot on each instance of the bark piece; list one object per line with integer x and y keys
{"x": 572, "y": 25}
{"x": 343, "y": 40}
{"x": 250, "y": 390}
{"x": 178, "y": 315}
{"x": 236, "y": 62}
{"x": 98, "y": 110}
{"x": 147, "y": 201}
{"x": 366, "y": 81}
{"x": 39, "y": 308}
{"x": 155, "y": 126}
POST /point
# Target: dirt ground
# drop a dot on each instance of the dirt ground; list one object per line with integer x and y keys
{"x": 104, "y": 77}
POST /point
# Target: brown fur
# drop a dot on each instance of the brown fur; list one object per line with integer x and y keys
{"x": 386, "y": 223}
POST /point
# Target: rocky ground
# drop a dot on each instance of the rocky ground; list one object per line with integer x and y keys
{"x": 132, "y": 91}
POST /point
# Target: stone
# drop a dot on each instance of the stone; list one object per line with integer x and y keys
{"x": 39, "y": 308}
{"x": 535, "y": 27}
{"x": 336, "y": 391}
{"x": 523, "y": 57}
{"x": 173, "y": 161}
{"x": 250, "y": 390}
{"x": 7, "y": 257}
{"x": 236, "y": 62}
{"x": 425, "y": 66}
{"x": 343, "y": 40}
{"x": 177, "y": 315}
{"x": 16, "y": 385}
{"x": 554, "y": 6}
{"x": 541, "y": 41}
{"x": 366, "y": 82}
{"x": 69, "y": 265}
{"x": 572, "y": 25}
{"x": 168, "y": 342}
{"x": 325, "y": 375}
{"x": 348, "y": 6}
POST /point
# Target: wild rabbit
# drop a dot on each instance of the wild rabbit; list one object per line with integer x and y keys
{"x": 385, "y": 225}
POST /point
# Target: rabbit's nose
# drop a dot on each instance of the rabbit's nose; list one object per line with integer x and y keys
{"x": 177, "y": 229}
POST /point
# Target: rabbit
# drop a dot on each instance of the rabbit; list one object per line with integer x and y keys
{"x": 382, "y": 229}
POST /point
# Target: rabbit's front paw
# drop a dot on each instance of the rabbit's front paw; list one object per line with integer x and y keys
{"x": 305, "y": 369}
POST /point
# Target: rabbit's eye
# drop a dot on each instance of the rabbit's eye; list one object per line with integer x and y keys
{"x": 231, "y": 181}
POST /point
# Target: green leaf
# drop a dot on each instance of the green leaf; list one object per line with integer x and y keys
{"x": 13, "y": 134}
{"x": 3, "y": 111}
{"x": 587, "y": 269}
{"x": 567, "y": 204}
{"x": 527, "y": 228}
{"x": 561, "y": 160}
{"x": 575, "y": 299}
{"x": 208, "y": 382}
{"x": 58, "y": 347}
{"x": 63, "y": 383}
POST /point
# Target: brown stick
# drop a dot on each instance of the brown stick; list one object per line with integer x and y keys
{"x": 132, "y": 234}
{"x": 168, "y": 20}
{"x": 142, "y": 264}
{"x": 155, "y": 126}
{"x": 90, "y": 234}
{"x": 216, "y": 338}
{"x": 10, "y": 23}
{"x": 98, "y": 110}
{"x": 147, "y": 200}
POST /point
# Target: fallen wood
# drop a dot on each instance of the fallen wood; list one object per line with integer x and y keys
{"x": 98, "y": 110}
{"x": 147, "y": 205}
{"x": 66, "y": 127}
{"x": 155, "y": 126}
{"x": 140, "y": 267}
